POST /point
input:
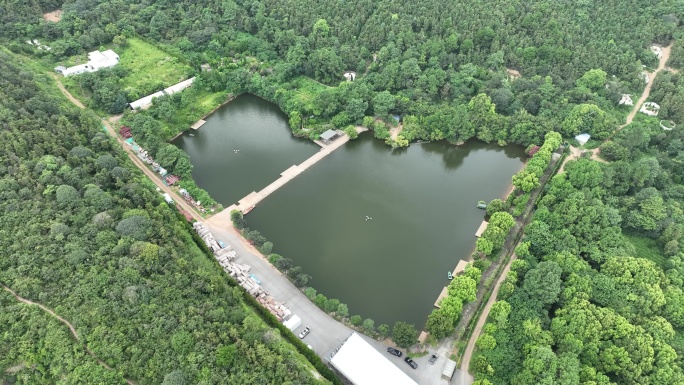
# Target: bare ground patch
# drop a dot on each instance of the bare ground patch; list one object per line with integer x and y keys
{"x": 53, "y": 16}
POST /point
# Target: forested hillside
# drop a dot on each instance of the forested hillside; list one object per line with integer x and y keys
{"x": 596, "y": 297}
{"x": 83, "y": 233}
{"x": 451, "y": 68}
{"x": 587, "y": 302}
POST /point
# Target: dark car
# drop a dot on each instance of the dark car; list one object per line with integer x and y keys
{"x": 411, "y": 363}
{"x": 394, "y": 352}
{"x": 432, "y": 359}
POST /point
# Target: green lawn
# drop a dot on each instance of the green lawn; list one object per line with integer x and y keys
{"x": 647, "y": 248}
{"x": 149, "y": 68}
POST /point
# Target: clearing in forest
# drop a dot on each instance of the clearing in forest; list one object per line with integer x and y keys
{"x": 306, "y": 90}
{"x": 149, "y": 68}
{"x": 53, "y": 16}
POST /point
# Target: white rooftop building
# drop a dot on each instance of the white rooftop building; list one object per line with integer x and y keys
{"x": 626, "y": 100}
{"x": 146, "y": 101}
{"x": 657, "y": 51}
{"x": 96, "y": 60}
{"x": 583, "y": 138}
{"x": 650, "y": 108}
{"x": 361, "y": 364}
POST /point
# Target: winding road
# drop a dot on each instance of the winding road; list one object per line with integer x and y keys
{"x": 575, "y": 153}
{"x": 67, "y": 323}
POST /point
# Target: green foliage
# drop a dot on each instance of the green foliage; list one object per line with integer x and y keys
{"x": 356, "y": 320}
{"x": 128, "y": 272}
{"x": 404, "y": 334}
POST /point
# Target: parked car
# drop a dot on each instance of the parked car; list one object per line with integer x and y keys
{"x": 411, "y": 363}
{"x": 223, "y": 245}
{"x": 394, "y": 352}
{"x": 432, "y": 359}
{"x": 305, "y": 332}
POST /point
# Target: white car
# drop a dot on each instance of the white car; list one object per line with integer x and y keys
{"x": 305, "y": 332}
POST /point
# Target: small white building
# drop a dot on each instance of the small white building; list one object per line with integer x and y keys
{"x": 650, "y": 108}
{"x": 644, "y": 75}
{"x": 583, "y": 138}
{"x": 626, "y": 100}
{"x": 350, "y": 76}
{"x": 96, "y": 60}
{"x": 167, "y": 198}
{"x": 657, "y": 51}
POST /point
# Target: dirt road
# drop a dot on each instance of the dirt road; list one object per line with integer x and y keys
{"x": 467, "y": 355}
{"x": 129, "y": 151}
{"x": 647, "y": 90}
{"x": 67, "y": 323}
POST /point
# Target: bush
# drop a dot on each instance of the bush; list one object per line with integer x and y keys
{"x": 404, "y": 334}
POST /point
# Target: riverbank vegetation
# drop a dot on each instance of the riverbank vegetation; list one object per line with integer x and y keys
{"x": 85, "y": 233}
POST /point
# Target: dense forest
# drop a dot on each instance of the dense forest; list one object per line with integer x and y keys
{"x": 595, "y": 296}
{"x": 450, "y": 69}
{"x": 579, "y": 306}
{"x": 84, "y": 233}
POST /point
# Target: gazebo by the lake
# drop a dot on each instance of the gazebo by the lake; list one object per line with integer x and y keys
{"x": 330, "y": 135}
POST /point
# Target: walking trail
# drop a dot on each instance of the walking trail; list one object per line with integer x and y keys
{"x": 67, "y": 323}
{"x": 129, "y": 151}
{"x": 576, "y": 152}
{"x": 467, "y": 355}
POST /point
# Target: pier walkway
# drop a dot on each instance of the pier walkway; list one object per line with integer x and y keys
{"x": 252, "y": 199}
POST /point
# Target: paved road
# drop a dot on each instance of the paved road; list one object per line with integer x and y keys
{"x": 326, "y": 333}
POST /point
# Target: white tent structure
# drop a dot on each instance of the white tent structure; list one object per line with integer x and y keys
{"x": 146, "y": 101}
{"x": 361, "y": 364}
{"x": 583, "y": 138}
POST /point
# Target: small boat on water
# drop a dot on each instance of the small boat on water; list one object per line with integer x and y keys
{"x": 191, "y": 134}
{"x": 450, "y": 276}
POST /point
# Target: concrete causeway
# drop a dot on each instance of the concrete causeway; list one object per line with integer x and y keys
{"x": 252, "y": 199}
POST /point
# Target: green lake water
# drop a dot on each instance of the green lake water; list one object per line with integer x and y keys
{"x": 421, "y": 200}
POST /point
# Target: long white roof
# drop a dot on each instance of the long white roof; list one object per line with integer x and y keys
{"x": 146, "y": 101}
{"x": 179, "y": 87}
{"x": 363, "y": 365}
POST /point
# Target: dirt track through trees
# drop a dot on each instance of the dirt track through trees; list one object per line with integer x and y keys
{"x": 67, "y": 323}
{"x": 139, "y": 163}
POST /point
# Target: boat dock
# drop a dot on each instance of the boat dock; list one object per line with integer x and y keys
{"x": 460, "y": 268}
{"x": 442, "y": 295}
{"x": 481, "y": 229}
{"x": 198, "y": 124}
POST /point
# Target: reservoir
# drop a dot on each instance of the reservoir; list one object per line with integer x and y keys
{"x": 421, "y": 200}
{"x": 242, "y": 147}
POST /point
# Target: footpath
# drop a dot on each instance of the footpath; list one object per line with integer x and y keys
{"x": 67, "y": 323}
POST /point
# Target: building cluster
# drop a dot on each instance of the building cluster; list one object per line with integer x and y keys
{"x": 188, "y": 198}
{"x": 225, "y": 255}
{"x": 96, "y": 61}
{"x": 38, "y": 45}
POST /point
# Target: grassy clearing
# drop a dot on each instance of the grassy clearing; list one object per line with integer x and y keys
{"x": 647, "y": 248}
{"x": 149, "y": 68}
{"x": 305, "y": 89}
{"x": 200, "y": 103}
